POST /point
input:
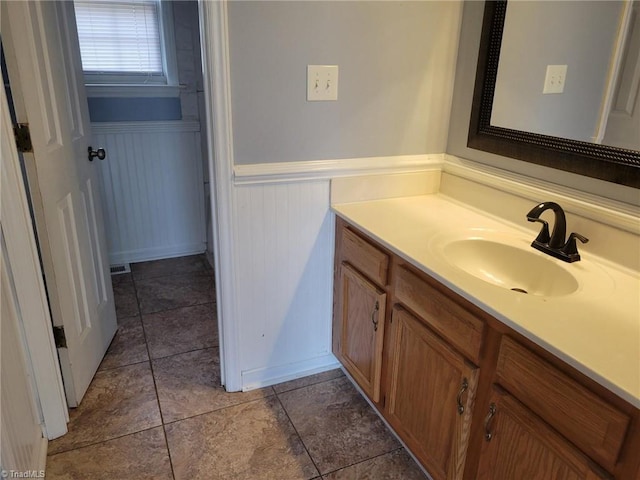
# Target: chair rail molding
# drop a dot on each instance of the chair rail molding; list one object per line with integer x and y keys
{"x": 333, "y": 168}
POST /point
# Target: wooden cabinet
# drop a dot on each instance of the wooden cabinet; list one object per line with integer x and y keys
{"x": 434, "y": 364}
{"x": 431, "y": 394}
{"x": 360, "y": 303}
{"x": 460, "y": 327}
{"x": 362, "y": 312}
{"x": 517, "y": 444}
{"x": 585, "y": 419}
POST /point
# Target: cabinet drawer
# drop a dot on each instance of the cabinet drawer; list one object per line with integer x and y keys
{"x": 453, "y": 322}
{"x": 593, "y": 425}
{"x": 366, "y": 258}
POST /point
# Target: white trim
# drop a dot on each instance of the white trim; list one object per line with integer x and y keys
{"x": 147, "y": 254}
{"x": 614, "y": 72}
{"x": 328, "y": 169}
{"x": 42, "y": 454}
{"x": 118, "y": 91}
{"x": 610, "y": 212}
{"x": 168, "y": 40}
{"x": 21, "y": 248}
{"x": 103, "y": 128}
{"x": 217, "y": 86}
{"x": 265, "y": 377}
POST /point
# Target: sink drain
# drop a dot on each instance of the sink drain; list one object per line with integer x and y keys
{"x": 519, "y": 290}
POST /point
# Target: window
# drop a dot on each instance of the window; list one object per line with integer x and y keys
{"x": 126, "y": 42}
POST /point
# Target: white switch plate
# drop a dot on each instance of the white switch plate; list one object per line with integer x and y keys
{"x": 555, "y": 79}
{"x": 322, "y": 83}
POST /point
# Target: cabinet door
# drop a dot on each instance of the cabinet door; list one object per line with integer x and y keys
{"x": 431, "y": 396}
{"x": 362, "y": 311}
{"x": 518, "y": 444}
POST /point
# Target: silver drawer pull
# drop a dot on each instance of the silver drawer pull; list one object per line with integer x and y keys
{"x": 463, "y": 388}
{"x": 487, "y": 422}
{"x": 374, "y": 317}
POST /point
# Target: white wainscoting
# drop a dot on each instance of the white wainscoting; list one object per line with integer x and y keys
{"x": 284, "y": 280}
{"x": 152, "y": 186}
{"x": 283, "y": 262}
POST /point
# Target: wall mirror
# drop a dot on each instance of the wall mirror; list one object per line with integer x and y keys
{"x": 590, "y": 50}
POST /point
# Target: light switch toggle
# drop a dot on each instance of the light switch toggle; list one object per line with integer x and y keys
{"x": 322, "y": 83}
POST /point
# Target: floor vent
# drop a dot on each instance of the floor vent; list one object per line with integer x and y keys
{"x": 118, "y": 269}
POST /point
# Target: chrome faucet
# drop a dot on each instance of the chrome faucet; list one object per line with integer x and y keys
{"x": 555, "y": 244}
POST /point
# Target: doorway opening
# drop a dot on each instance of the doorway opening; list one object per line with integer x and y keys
{"x": 154, "y": 182}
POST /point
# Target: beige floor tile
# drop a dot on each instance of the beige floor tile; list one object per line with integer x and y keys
{"x": 181, "y": 330}
{"x": 118, "y": 402}
{"x": 335, "y": 423}
{"x": 251, "y": 441}
{"x": 128, "y": 346}
{"x": 309, "y": 380}
{"x": 124, "y": 295}
{"x": 175, "y": 291}
{"x": 189, "y": 384}
{"x": 121, "y": 278}
{"x": 396, "y": 465}
{"x": 141, "y": 455}
{"x": 169, "y": 266}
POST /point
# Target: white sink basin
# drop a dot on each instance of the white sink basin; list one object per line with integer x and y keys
{"x": 509, "y": 267}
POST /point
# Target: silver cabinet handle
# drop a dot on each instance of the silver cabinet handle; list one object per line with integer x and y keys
{"x": 487, "y": 422}
{"x": 374, "y": 318}
{"x": 463, "y": 388}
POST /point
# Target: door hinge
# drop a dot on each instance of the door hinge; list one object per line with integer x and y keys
{"x": 59, "y": 337}
{"x": 23, "y": 137}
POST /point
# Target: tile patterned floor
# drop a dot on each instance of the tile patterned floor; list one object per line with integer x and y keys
{"x": 155, "y": 410}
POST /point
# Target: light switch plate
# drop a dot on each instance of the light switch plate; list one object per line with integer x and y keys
{"x": 322, "y": 83}
{"x": 555, "y": 79}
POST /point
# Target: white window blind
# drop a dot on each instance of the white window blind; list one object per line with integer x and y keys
{"x": 119, "y": 36}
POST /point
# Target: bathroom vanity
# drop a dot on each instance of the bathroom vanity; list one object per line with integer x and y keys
{"x": 481, "y": 373}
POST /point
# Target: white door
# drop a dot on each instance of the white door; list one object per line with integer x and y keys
{"x": 23, "y": 445}
{"x": 43, "y": 58}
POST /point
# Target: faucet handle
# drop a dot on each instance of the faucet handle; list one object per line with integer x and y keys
{"x": 543, "y": 236}
{"x": 570, "y": 248}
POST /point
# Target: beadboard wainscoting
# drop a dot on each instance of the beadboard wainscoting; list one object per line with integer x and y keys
{"x": 284, "y": 277}
{"x": 153, "y": 191}
{"x": 283, "y": 258}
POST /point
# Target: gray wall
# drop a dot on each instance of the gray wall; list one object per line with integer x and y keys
{"x": 580, "y": 35}
{"x": 134, "y": 109}
{"x": 396, "y": 64}
{"x": 461, "y": 111}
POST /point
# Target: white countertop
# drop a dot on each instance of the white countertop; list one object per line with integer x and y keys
{"x": 596, "y": 329}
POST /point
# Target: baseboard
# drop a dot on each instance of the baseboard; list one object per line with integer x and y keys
{"x": 42, "y": 454}
{"x": 148, "y": 254}
{"x": 265, "y": 377}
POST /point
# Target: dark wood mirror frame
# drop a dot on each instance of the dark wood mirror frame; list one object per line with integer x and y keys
{"x": 612, "y": 164}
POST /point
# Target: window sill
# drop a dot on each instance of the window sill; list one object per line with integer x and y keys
{"x": 124, "y": 90}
